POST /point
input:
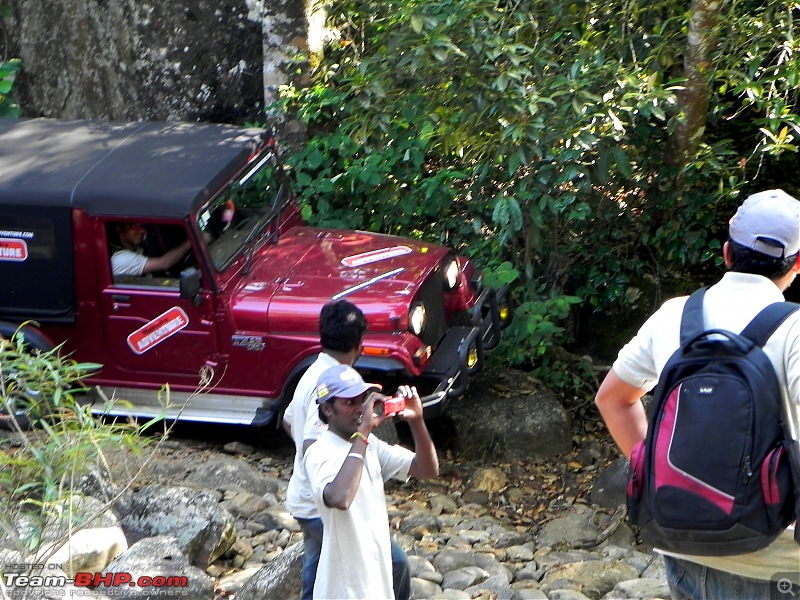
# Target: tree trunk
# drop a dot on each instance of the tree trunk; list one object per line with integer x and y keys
{"x": 698, "y": 72}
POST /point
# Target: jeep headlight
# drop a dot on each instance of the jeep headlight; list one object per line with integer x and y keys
{"x": 451, "y": 274}
{"x": 416, "y": 319}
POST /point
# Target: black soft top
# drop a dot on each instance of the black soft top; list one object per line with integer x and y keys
{"x": 143, "y": 169}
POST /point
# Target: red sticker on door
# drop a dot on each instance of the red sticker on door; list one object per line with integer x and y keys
{"x": 374, "y": 256}
{"x": 157, "y": 330}
{"x": 13, "y": 250}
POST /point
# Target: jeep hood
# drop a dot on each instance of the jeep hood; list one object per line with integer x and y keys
{"x": 309, "y": 267}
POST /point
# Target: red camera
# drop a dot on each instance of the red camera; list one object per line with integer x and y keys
{"x": 394, "y": 405}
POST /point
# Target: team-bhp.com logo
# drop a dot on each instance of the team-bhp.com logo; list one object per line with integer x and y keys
{"x": 92, "y": 580}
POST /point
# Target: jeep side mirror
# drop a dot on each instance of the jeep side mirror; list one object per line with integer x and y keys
{"x": 190, "y": 283}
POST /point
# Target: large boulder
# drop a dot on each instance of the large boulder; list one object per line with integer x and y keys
{"x": 278, "y": 579}
{"x": 90, "y": 550}
{"x": 156, "y": 558}
{"x": 510, "y": 415}
{"x": 204, "y": 530}
{"x": 188, "y": 60}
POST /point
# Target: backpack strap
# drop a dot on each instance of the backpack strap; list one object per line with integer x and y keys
{"x": 692, "y": 320}
{"x": 767, "y": 321}
{"x": 757, "y": 331}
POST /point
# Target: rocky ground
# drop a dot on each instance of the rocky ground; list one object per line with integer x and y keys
{"x": 486, "y": 528}
{"x": 537, "y": 527}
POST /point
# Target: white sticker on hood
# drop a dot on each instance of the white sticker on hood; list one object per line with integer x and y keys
{"x": 366, "y": 258}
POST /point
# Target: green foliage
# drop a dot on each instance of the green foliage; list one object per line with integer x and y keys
{"x": 8, "y": 72}
{"x": 41, "y": 465}
{"x": 535, "y": 137}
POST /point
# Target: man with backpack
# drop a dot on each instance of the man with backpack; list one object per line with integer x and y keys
{"x": 761, "y": 255}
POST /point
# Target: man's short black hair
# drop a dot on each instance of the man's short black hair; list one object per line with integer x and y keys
{"x": 341, "y": 326}
{"x": 747, "y": 260}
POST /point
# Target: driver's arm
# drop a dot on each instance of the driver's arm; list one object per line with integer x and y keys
{"x": 166, "y": 260}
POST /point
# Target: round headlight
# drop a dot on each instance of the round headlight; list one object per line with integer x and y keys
{"x": 451, "y": 274}
{"x": 416, "y": 319}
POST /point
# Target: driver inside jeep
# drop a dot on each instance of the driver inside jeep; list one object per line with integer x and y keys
{"x": 130, "y": 258}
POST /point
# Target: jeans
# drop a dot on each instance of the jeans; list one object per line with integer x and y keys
{"x": 312, "y": 548}
{"x": 690, "y": 581}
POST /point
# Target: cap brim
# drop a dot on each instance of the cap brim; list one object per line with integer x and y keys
{"x": 357, "y": 389}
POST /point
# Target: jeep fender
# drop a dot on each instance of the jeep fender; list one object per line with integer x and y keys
{"x": 291, "y": 384}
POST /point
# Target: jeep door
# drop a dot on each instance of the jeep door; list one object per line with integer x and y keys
{"x": 153, "y": 332}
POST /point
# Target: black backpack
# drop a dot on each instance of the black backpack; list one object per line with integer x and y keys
{"x": 712, "y": 477}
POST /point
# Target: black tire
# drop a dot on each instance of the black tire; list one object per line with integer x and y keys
{"x": 21, "y": 401}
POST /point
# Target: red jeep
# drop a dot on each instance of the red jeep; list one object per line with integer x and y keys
{"x": 239, "y": 312}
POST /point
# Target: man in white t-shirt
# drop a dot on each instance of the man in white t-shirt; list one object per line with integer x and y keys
{"x": 342, "y": 326}
{"x": 130, "y": 259}
{"x": 347, "y": 467}
{"x": 763, "y": 258}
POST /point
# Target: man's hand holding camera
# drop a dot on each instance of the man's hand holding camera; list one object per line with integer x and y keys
{"x": 405, "y": 404}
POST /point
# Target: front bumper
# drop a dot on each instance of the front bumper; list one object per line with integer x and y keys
{"x": 451, "y": 364}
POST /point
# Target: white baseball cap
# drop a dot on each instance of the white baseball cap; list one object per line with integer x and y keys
{"x": 768, "y": 222}
{"x": 341, "y": 381}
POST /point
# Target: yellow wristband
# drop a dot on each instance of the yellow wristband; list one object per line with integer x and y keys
{"x": 360, "y": 435}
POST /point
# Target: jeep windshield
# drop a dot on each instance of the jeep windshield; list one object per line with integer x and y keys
{"x": 245, "y": 212}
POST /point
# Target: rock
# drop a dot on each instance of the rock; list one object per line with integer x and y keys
{"x": 238, "y": 448}
{"x": 610, "y": 486}
{"x": 461, "y": 579}
{"x": 229, "y": 585}
{"x": 531, "y": 423}
{"x": 218, "y": 471}
{"x": 640, "y": 588}
{"x": 153, "y": 557}
{"x": 596, "y": 577}
{"x": 204, "y": 530}
{"x": 494, "y": 587}
{"x": 280, "y": 578}
{"x": 574, "y": 528}
{"x": 90, "y": 550}
{"x": 519, "y": 554}
{"x": 451, "y": 560}
{"x": 422, "y": 589}
{"x": 490, "y": 480}
{"x": 182, "y": 61}
{"x": 442, "y": 504}
{"x": 245, "y": 505}
{"x": 419, "y": 524}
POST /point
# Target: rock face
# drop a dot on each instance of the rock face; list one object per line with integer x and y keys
{"x": 189, "y": 60}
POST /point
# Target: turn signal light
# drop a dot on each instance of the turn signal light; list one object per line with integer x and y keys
{"x": 372, "y": 351}
{"x": 422, "y": 355}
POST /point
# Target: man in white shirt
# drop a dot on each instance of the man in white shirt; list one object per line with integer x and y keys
{"x": 762, "y": 255}
{"x": 130, "y": 260}
{"x": 347, "y": 467}
{"x": 342, "y": 326}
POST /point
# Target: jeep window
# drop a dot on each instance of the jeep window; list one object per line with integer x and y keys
{"x": 145, "y": 241}
{"x": 36, "y": 234}
{"x": 245, "y": 211}
{"x": 36, "y": 248}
